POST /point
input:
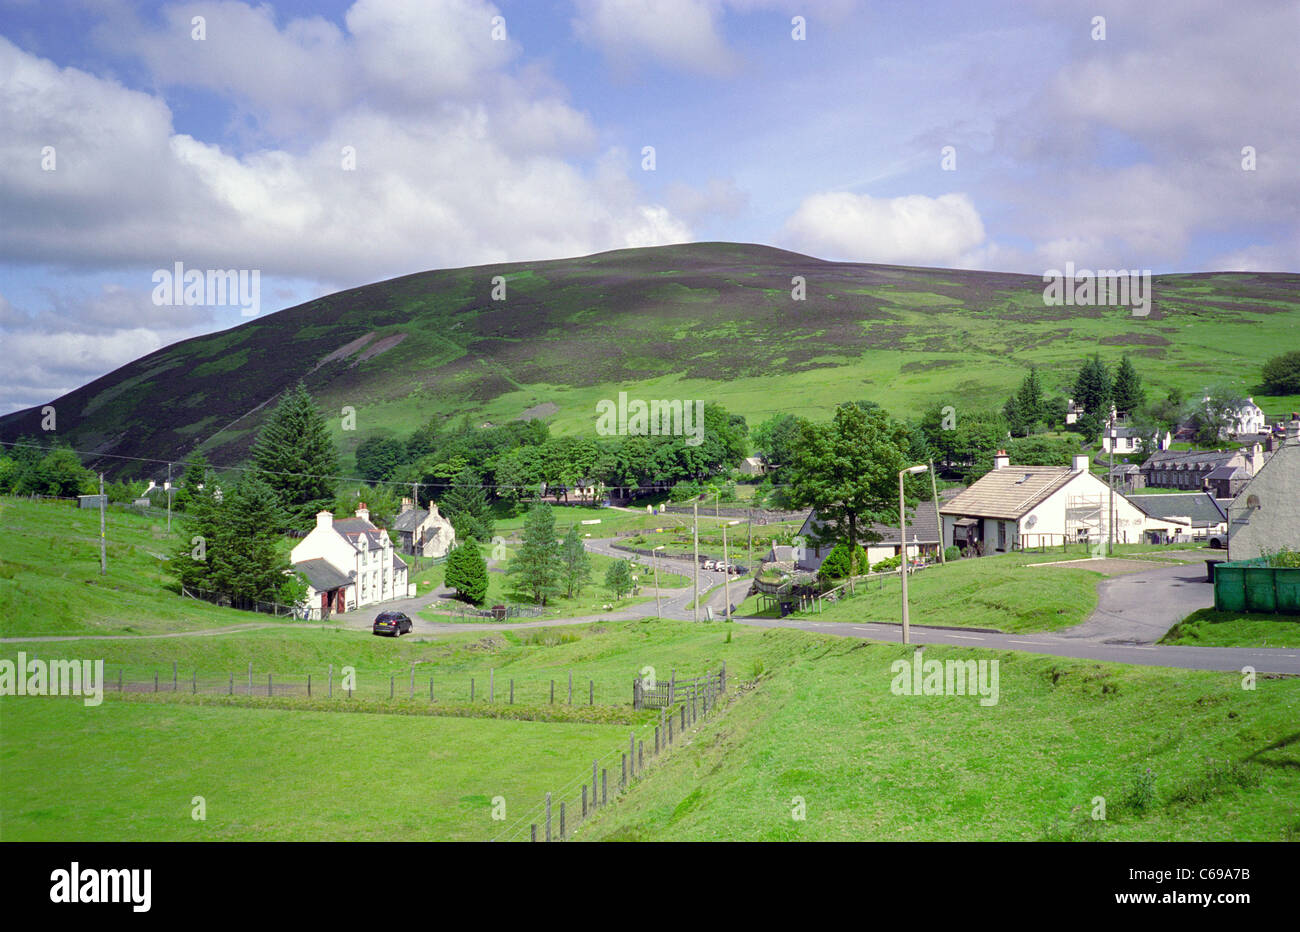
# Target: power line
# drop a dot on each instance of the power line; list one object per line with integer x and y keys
{"x": 447, "y": 484}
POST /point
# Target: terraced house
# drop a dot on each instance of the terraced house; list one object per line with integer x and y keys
{"x": 1191, "y": 469}
{"x": 348, "y": 563}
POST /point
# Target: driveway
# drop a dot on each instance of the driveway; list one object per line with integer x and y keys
{"x": 1139, "y": 608}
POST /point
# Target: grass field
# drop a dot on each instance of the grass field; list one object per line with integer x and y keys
{"x": 823, "y": 727}
{"x": 50, "y": 582}
{"x": 1208, "y": 628}
{"x": 128, "y": 771}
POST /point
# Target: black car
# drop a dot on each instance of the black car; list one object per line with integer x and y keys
{"x": 394, "y": 623}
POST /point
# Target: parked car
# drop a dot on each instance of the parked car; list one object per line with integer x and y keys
{"x": 393, "y": 623}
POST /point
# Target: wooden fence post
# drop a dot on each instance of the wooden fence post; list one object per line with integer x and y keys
{"x": 534, "y": 832}
{"x": 631, "y": 750}
{"x": 591, "y": 692}
{"x": 412, "y": 681}
{"x": 670, "y": 732}
{"x": 308, "y": 685}
{"x": 561, "y": 820}
{"x": 492, "y": 692}
{"x": 604, "y": 798}
{"x": 640, "y": 757}
{"x": 392, "y": 684}
{"x": 593, "y": 784}
{"x": 471, "y": 689}
{"x": 268, "y": 684}
{"x": 584, "y": 800}
{"x": 656, "y": 740}
{"x": 548, "y": 816}
{"x": 231, "y": 691}
{"x": 622, "y": 781}
{"x": 431, "y": 693}
{"x": 174, "y": 676}
{"x": 552, "y": 692}
{"x": 250, "y": 677}
{"x": 570, "y": 687}
{"x": 119, "y": 679}
{"x": 155, "y": 682}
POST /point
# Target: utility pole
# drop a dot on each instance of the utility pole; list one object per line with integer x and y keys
{"x": 169, "y": 498}
{"x": 695, "y": 550}
{"x": 654, "y": 554}
{"x": 934, "y": 496}
{"x": 103, "y": 532}
{"x": 726, "y": 575}
{"x": 1110, "y": 476}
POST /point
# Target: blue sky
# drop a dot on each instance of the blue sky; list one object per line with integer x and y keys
{"x": 227, "y": 151}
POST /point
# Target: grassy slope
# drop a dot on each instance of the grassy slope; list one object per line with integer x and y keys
{"x": 870, "y": 765}
{"x": 50, "y": 582}
{"x": 1208, "y": 628}
{"x": 712, "y": 321}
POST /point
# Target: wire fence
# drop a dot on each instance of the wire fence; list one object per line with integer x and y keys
{"x": 562, "y": 811}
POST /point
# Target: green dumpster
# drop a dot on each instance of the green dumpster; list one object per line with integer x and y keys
{"x": 1230, "y": 587}
{"x": 1260, "y": 594}
{"x": 1286, "y": 584}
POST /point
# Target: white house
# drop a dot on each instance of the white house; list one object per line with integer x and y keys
{"x": 354, "y": 550}
{"x": 1265, "y": 515}
{"x": 1013, "y": 507}
{"x": 1245, "y": 417}
{"x": 922, "y": 537}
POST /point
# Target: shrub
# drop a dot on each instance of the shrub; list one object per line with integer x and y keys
{"x": 952, "y": 553}
{"x": 1141, "y": 791}
{"x": 1282, "y": 374}
{"x": 684, "y": 491}
{"x": 885, "y": 566}
{"x": 1283, "y": 559}
{"x": 837, "y": 562}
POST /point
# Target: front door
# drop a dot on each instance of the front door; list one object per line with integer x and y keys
{"x": 1002, "y": 535}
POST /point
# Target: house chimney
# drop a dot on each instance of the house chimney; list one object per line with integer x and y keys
{"x": 1080, "y": 463}
{"x": 362, "y": 511}
{"x": 1001, "y": 461}
{"x": 324, "y": 519}
{"x": 407, "y": 505}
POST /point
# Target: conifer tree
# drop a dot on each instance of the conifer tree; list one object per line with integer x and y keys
{"x": 295, "y": 456}
{"x": 467, "y": 572}
{"x": 1128, "y": 394}
{"x": 619, "y": 578}
{"x": 465, "y": 505}
{"x": 577, "y": 564}
{"x": 537, "y": 564}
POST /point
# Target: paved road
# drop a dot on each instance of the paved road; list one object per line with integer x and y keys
{"x": 1132, "y": 612}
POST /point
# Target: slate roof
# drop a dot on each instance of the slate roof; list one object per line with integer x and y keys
{"x": 355, "y": 528}
{"x": 1009, "y": 492}
{"x": 1229, "y": 472}
{"x": 923, "y": 521}
{"x": 399, "y": 563}
{"x": 1188, "y": 459}
{"x": 1200, "y": 507}
{"x": 321, "y": 575}
{"x": 410, "y": 519}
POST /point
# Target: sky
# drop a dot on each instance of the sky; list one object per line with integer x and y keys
{"x": 329, "y": 145}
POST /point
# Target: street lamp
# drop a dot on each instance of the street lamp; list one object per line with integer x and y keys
{"x": 654, "y": 555}
{"x": 902, "y": 540}
{"x": 726, "y": 569}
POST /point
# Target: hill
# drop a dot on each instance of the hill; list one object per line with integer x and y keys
{"x": 713, "y": 321}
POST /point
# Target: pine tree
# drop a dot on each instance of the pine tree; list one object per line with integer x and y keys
{"x": 465, "y": 505}
{"x": 189, "y": 563}
{"x": 577, "y": 564}
{"x": 247, "y": 559}
{"x": 1093, "y": 389}
{"x": 296, "y": 458}
{"x": 537, "y": 563}
{"x": 1128, "y": 394}
{"x": 195, "y": 475}
{"x": 619, "y": 578}
{"x": 1029, "y": 402}
{"x": 467, "y": 572}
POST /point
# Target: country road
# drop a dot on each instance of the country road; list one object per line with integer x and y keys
{"x": 1133, "y": 611}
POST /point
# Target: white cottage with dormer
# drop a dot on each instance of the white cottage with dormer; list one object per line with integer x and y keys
{"x": 349, "y": 563}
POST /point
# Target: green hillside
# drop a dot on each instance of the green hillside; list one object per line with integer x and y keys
{"x": 713, "y": 321}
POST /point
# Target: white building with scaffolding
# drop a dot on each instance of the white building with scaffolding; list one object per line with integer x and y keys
{"x": 1019, "y": 507}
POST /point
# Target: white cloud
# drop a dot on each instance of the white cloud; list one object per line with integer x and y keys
{"x": 912, "y": 229}
{"x": 679, "y": 33}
